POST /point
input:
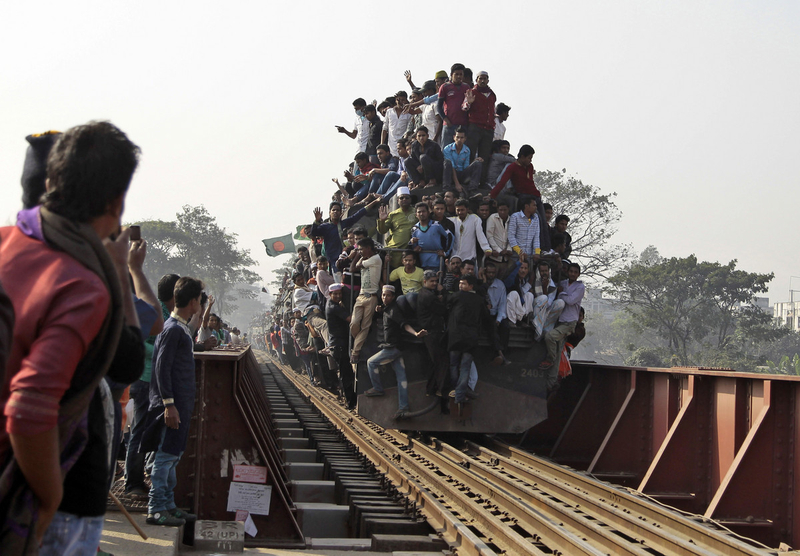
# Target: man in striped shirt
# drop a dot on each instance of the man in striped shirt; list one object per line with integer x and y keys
{"x": 523, "y": 230}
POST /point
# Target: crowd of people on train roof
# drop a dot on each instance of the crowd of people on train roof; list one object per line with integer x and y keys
{"x": 81, "y": 332}
{"x": 436, "y": 233}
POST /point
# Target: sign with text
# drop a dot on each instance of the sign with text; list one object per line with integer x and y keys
{"x": 247, "y": 496}
{"x": 250, "y": 474}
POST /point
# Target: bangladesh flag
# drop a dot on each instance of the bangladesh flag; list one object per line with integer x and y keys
{"x": 302, "y": 232}
{"x": 279, "y": 245}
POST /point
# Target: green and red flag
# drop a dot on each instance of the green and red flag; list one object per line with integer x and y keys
{"x": 279, "y": 245}
{"x": 302, "y": 233}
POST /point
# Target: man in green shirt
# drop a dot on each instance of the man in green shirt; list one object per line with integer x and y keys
{"x": 398, "y": 224}
{"x": 410, "y": 275}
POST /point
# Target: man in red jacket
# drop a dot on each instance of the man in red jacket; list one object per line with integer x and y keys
{"x": 479, "y": 102}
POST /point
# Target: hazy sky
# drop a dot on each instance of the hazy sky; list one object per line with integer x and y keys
{"x": 688, "y": 110}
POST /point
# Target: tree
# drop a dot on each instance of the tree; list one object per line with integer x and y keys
{"x": 692, "y": 306}
{"x": 195, "y": 245}
{"x": 593, "y": 221}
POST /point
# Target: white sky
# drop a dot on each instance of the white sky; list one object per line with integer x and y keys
{"x": 688, "y": 110}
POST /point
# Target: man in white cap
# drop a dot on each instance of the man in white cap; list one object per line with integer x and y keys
{"x": 398, "y": 224}
{"x": 394, "y": 322}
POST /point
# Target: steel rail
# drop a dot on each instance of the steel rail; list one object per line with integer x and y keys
{"x": 479, "y": 503}
{"x": 634, "y": 514}
{"x": 530, "y": 507}
{"x": 450, "y": 527}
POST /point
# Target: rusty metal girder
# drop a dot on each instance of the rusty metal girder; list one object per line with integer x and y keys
{"x": 719, "y": 444}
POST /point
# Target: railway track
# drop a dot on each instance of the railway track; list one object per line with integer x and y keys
{"x": 500, "y": 500}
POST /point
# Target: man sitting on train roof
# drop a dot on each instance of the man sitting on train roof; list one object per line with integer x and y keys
{"x": 570, "y": 291}
{"x": 547, "y": 309}
{"x": 562, "y": 221}
{"x": 394, "y": 322}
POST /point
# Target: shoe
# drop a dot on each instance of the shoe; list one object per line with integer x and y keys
{"x": 472, "y": 394}
{"x": 137, "y": 493}
{"x": 452, "y": 393}
{"x": 164, "y": 518}
{"x": 401, "y": 414}
{"x": 180, "y": 514}
{"x": 544, "y": 365}
{"x": 497, "y": 361}
{"x": 372, "y": 393}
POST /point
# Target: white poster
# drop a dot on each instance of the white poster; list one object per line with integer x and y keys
{"x": 251, "y": 497}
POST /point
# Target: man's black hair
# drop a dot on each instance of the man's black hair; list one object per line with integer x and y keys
{"x": 384, "y": 147}
{"x": 470, "y": 279}
{"x": 462, "y": 203}
{"x": 574, "y": 265}
{"x": 498, "y": 144}
{"x": 455, "y": 67}
{"x": 546, "y": 206}
{"x": 401, "y": 93}
{"x": 467, "y": 75}
{"x": 542, "y": 263}
{"x": 385, "y": 104}
{"x": 422, "y": 204}
{"x": 500, "y": 108}
{"x": 334, "y": 204}
{"x": 557, "y": 239}
{"x": 460, "y": 129}
{"x": 486, "y": 203}
{"x": 502, "y": 204}
{"x": 525, "y": 150}
{"x": 322, "y": 259}
{"x": 166, "y": 287}
{"x": 439, "y": 201}
{"x": 187, "y": 289}
{"x": 468, "y": 262}
{"x": 490, "y": 265}
{"x": 302, "y": 248}
{"x": 525, "y": 200}
{"x": 561, "y": 217}
{"x": 359, "y": 102}
{"x": 359, "y": 231}
{"x": 366, "y": 242}
{"x": 423, "y": 128}
{"x": 429, "y": 85}
{"x": 369, "y": 108}
{"x": 89, "y": 167}
{"x": 409, "y": 252}
{"x": 402, "y": 142}
{"x": 361, "y": 156}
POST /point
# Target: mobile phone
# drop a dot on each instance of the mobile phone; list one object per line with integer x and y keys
{"x": 136, "y": 233}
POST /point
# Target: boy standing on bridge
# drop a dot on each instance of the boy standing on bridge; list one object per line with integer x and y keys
{"x": 172, "y": 391}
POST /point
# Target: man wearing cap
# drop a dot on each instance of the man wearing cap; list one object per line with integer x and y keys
{"x": 398, "y": 224}
{"x": 394, "y": 322}
{"x": 396, "y": 122}
{"x": 449, "y": 104}
{"x": 479, "y": 102}
{"x": 338, "y": 318}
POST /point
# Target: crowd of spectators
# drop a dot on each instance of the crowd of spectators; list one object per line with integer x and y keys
{"x": 438, "y": 233}
{"x": 81, "y": 333}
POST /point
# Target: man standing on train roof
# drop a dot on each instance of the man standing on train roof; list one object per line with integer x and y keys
{"x": 361, "y": 126}
{"x": 338, "y": 318}
{"x": 571, "y": 292}
{"x": 331, "y": 232}
{"x": 479, "y": 102}
{"x": 394, "y": 322}
{"x": 451, "y": 97}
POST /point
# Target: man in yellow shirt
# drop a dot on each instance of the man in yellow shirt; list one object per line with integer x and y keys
{"x": 398, "y": 224}
{"x": 410, "y": 275}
